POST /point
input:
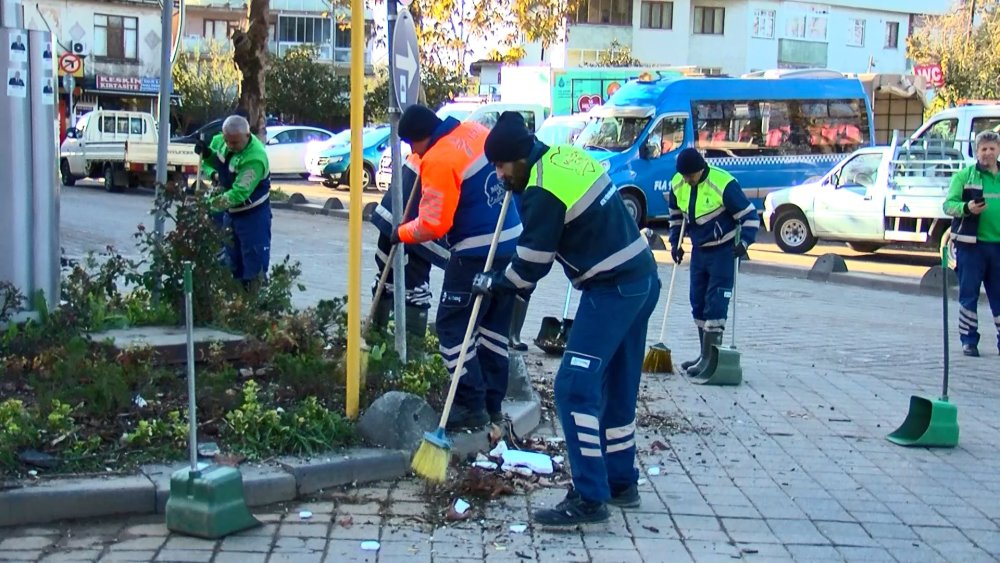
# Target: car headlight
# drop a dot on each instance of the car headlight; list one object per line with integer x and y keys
{"x": 606, "y": 164}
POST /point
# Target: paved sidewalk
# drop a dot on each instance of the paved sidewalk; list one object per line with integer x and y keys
{"x": 792, "y": 465}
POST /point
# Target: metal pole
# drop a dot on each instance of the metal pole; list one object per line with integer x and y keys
{"x": 396, "y": 186}
{"x": 354, "y": 213}
{"x": 166, "y": 83}
{"x": 189, "y": 330}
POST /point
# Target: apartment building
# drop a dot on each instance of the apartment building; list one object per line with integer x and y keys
{"x": 118, "y": 42}
{"x": 739, "y": 36}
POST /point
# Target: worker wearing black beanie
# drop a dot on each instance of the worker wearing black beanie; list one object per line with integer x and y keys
{"x": 417, "y": 124}
{"x": 509, "y": 140}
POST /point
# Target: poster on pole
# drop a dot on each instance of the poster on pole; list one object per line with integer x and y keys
{"x": 16, "y": 87}
{"x": 18, "y": 49}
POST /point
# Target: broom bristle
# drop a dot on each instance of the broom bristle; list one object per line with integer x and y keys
{"x": 658, "y": 360}
{"x": 431, "y": 462}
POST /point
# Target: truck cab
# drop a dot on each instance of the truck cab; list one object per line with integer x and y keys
{"x": 957, "y": 127}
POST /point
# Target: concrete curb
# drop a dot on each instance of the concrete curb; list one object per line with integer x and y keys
{"x": 287, "y": 479}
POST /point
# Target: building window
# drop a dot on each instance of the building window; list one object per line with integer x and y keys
{"x": 891, "y": 35}
{"x": 763, "y": 24}
{"x": 604, "y": 12}
{"x": 856, "y": 32}
{"x": 220, "y": 30}
{"x": 656, "y": 15}
{"x": 809, "y": 25}
{"x": 116, "y": 37}
{"x": 709, "y": 21}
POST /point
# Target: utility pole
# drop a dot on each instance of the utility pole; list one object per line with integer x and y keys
{"x": 166, "y": 83}
{"x": 396, "y": 188}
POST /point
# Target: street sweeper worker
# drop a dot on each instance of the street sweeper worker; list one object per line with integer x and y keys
{"x": 417, "y": 261}
{"x": 245, "y": 179}
{"x": 973, "y": 202}
{"x": 460, "y": 203}
{"x": 715, "y": 210}
{"x": 572, "y": 213}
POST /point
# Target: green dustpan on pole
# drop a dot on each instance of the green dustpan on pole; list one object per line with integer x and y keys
{"x": 723, "y": 366}
{"x": 932, "y": 423}
{"x": 205, "y": 500}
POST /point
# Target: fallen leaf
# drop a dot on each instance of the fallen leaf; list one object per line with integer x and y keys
{"x": 346, "y": 522}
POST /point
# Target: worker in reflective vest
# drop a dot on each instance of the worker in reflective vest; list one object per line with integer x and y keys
{"x": 722, "y": 223}
{"x": 572, "y": 213}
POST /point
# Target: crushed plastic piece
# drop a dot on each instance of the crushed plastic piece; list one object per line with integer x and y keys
{"x": 653, "y": 470}
{"x": 370, "y": 545}
{"x": 499, "y": 450}
{"x": 461, "y": 506}
{"x": 518, "y": 528}
{"x": 305, "y": 514}
{"x": 535, "y": 461}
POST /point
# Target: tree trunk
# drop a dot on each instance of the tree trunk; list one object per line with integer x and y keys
{"x": 250, "y": 55}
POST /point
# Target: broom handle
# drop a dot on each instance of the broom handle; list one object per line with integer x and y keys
{"x": 944, "y": 301}
{"x": 736, "y": 274}
{"x": 569, "y": 293}
{"x": 392, "y": 254}
{"x": 192, "y": 412}
{"x": 670, "y": 292}
{"x": 475, "y": 315}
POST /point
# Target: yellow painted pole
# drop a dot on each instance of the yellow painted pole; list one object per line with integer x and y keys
{"x": 354, "y": 221}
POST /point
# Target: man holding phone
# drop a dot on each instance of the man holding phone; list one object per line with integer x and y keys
{"x": 974, "y": 204}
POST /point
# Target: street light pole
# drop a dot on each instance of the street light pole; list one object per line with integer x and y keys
{"x": 396, "y": 189}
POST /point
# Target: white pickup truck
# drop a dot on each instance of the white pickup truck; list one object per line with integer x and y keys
{"x": 877, "y": 196}
{"x": 120, "y": 147}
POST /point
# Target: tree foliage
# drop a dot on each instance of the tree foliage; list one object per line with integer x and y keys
{"x": 969, "y": 57}
{"x": 208, "y": 83}
{"x": 617, "y": 55}
{"x": 304, "y": 91}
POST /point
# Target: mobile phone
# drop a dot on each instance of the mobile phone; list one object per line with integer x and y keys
{"x": 979, "y": 200}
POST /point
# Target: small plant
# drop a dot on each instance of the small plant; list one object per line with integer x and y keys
{"x": 159, "y": 437}
{"x": 423, "y": 376}
{"x": 11, "y": 300}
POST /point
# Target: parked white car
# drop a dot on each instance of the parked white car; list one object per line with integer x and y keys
{"x": 562, "y": 129}
{"x": 286, "y": 147}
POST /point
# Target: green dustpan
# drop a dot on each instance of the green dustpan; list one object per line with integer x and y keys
{"x": 932, "y": 422}
{"x": 205, "y": 500}
{"x": 723, "y": 365}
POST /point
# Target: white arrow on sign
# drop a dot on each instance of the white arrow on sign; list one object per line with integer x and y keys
{"x": 407, "y": 63}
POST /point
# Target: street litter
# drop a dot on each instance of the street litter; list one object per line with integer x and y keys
{"x": 305, "y": 514}
{"x": 558, "y": 459}
{"x": 518, "y": 528}
{"x": 461, "y": 506}
{"x": 370, "y": 545}
{"x": 653, "y": 470}
{"x": 536, "y": 462}
{"x": 459, "y": 510}
{"x": 499, "y": 450}
{"x": 483, "y": 462}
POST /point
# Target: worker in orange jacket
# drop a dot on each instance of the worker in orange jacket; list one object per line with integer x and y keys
{"x": 460, "y": 203}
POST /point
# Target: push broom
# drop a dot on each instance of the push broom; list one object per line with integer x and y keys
{"x": 431, "y": 459}
{"x": 658, "y": 358}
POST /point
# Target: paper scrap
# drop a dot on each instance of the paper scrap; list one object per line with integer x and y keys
{"x": 536, "y": 462}
{"x": 653, "y": 470}
{"x": 489, "y": 465}
{"x": 461, "y": 506}
{"x": 370, "y": 545}
{"x": 499, "y": 450}
{"x": 518, "y": 528}
{"x": 305, "y": 514}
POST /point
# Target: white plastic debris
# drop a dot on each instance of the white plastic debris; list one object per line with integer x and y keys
{"x": 499, "y": 450}
{"x": 518, "y": 528}
{"x": 139, "y": 401}
{"x": 653, "y": 470}
{"x": 370, "y": 545}
{"x": 558, "y": 459}
{"x": 461, "y": 506}
{"x": 534, "y": 461}
{"x": 642, "y": 481}
{"x": 488, "y": 465}
{"x": 305, "y": 514}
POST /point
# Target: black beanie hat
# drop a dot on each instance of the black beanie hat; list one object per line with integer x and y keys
{"x": 509, "y": 140}
{"x": 690, "y": 161}
{"x": 417, "y": 123}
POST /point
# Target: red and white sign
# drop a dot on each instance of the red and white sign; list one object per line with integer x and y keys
{"x": 932, "y": 73}
{"x": 70, "y": 63}
{"x": 586, "y": 102}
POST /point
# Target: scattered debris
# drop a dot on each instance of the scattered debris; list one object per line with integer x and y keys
{"x": 653, "y": 529}
{"x": 305, "y": 514}
{"x": 518, "y": 528}
{"x": 38, "y": 459}
{"x": 657, "y": 446}
{"x": 535, "y": 462}
{"x": 749, "y": 550}
{"x": 655, "y": 470}
{"x": 522, "y": 555}
{"x": 346, "y": 522}
{"x": 139, "y": 401}
{"x": 370, "y": 545}
{"x": 459, "y": 510}
{"x": 208, "y": 449}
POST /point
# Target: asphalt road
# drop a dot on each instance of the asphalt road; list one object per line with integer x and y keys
{"x": 887, "y": 261}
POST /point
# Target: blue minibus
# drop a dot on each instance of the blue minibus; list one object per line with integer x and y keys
{"x": 770, "y": 133}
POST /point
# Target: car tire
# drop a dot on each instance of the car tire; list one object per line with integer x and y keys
{"x": 109, "y": 179}
{"x": 367, "y": 177}
{"x": 635, "y": 206}
{"x": 67, "y": 177}
{"x": 792, "y": 233}
{"x": 866, "y": 247}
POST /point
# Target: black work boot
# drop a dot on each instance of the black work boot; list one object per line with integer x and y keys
{"x": 518, "y": 312}
{"x": 708, "y": 340}
{"x": 464, "y": 418}
{"x": 383, "y": 311}
{"x": 970, "y": 350}
{"x": 626, "y": 498}
{"x": 573, "y": 510}
{"x": 416, "y": 322}
{"x": 701, "y": 342}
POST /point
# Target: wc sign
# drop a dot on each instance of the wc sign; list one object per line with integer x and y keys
{"x": 932, "y": 73}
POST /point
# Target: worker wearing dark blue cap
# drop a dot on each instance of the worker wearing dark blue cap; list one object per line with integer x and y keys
{"x": 572, "y": 212}
{"x": 722, "y": 223}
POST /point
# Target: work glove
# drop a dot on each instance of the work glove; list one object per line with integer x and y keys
{"x": 482, "y": 284}
{"x": 740, "y": 250}
{"x": 394, "y": 237}
{"x": 200, "y": 147}
{"x": 677, "y": 253}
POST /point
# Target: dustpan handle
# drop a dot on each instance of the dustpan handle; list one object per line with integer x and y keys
{"x": 944, "y": 316}
{"x": 192, "y": 409}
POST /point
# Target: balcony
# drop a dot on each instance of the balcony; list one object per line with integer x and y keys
{"x": 341, "y": 55}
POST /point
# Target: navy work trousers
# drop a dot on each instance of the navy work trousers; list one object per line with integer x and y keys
{"x": 597, "y": 385}
{"x": 483, "y": 381}
{"x": 712, "y": 271}
{"x": 977, "y": 265}
{"x": 249, "y": 252}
